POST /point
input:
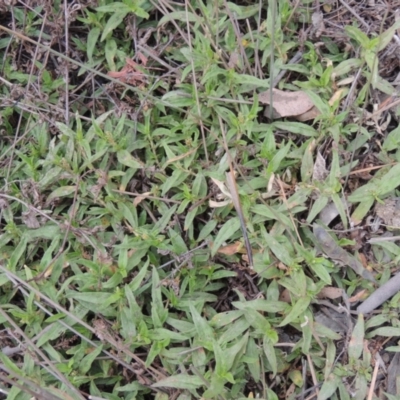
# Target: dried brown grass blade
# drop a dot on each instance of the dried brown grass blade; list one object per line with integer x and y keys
{"x": 231, "y": 183}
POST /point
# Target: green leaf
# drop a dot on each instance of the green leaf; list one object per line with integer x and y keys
{"x": 317, "y": 207}
{"x": 135, "y": 310}
{"x": 158, "y": 313}
{"x": 110, "y": 52}
{"x": 57, "y": 329}
{"x": 347, "y": 66}
{"x": 125, "y": 158}
{"x": 385, "y": 38}
{"x": 257, "y": 321}
{"x": 199, "y": 186}
{"x": 220, "y": 360}
{"x": 242, "y": 12}
{"x": 95, "y": 301}
{"x": 226, "y": 232}
{"x": 299, "y": 308}
{"x": 114, "y": 21}
{"x": 174, "y": 180}
{"x": 10, "y": 364}
{"x": 225, "y": 318}
{"x": 128, "y": 326}
{"x": 358, "y": 35}
{"x": 234, "y": 331}
{"x": 389, "y": 181}
{"x": 61, "y": 192}
{"x": 385, "y": 331}
{"x": 357, "y": 340}
{"x": 392, "y": 140}
{"x": 296, "y": 127}
{"x": 235, "y": 352}
{"x": 216, "y": 387}
{"x": 162, "y": 334}
{"x": 330, "y": 358}
{"x": 92, "y": 40}
{"x": 269, "y": 351}
{"x": 178, "y": 98}
{"x": 140, "y": 12}
{"x": 271, "y": 395}
{"x": 339, "y": 203}
{"x": 138, "y": 279}
{"x": 296, "y": 377}
{"x": 114, "y": 7}
{"x": 66, "y": 130}
{"x": 190, "y": 216}
{"x": 322, "y": 105}
{"x": 250, "y": 81}
{"x": 328, "y": 387}
{"x": 87, "y": 361}
{"x": 17, "y": 253}
{"x": 362, "y": 210}
{"x": 318, "y": 267}
{"x": 180, "y": 382}
{"x": 181, "y": 16}
{"x": 270, "y": 213}
{"x": 274, "y": 164}
{"x": 262, "y": 305}
{"x": 279, "y": 250}
{"x": 205, "y": 333}
{"x": 253, "y": 360}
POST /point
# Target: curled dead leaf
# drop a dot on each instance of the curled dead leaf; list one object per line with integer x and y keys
{"x": 361, "y": 295}
{"x": 217, "y": 204}
{"x": 308, "y": 115}
{"x": 231, "y": 249}
{"x": 137, "y": 200}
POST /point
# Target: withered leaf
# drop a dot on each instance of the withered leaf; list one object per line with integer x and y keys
{"x": 286, "y": 104}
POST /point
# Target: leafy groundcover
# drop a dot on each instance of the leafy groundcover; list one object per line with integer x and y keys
{"x": 196, "y": 197}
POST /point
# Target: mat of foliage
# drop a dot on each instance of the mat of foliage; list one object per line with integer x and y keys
{"x": 124, "y": 272}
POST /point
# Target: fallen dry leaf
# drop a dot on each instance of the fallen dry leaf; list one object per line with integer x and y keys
{"x": 330, "y": 293}
{"x": 318, "y": 25}
{"x": 233, "y": 59}
{"x": 361, "y": 295}
{"x": 336, "y": 96}
{"x": 137, "y": 200}
{"x": 130, "y": 73}
{"x": 231, "y": 249}
{"x": 319, "y": 171}
{"x": 286, "y": 104}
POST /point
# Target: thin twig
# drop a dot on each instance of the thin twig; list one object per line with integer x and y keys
{"x": 231, "y": 183}
{"x": 373, "y": 380}
{"x": 313, "y": 374}
{"x": 147, "y": 196}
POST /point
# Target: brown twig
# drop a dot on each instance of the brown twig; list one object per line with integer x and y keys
{"x": 147, "y": 196}
{"x": 232, "y": 186}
